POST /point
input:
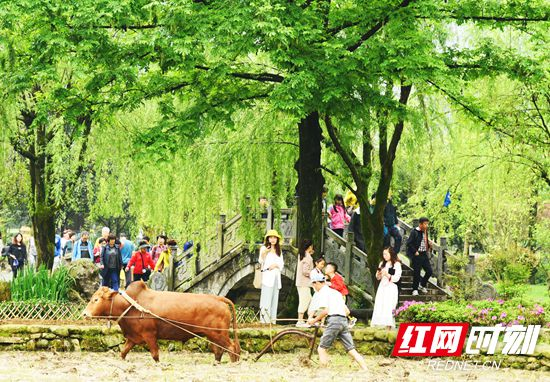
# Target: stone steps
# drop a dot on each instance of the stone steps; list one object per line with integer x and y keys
{"x": 405, "y": 292}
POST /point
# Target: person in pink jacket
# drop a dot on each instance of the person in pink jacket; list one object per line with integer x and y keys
{"x": 338, "y": 215}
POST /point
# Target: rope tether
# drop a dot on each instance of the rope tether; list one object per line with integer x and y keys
{"x": 134, "y": 303}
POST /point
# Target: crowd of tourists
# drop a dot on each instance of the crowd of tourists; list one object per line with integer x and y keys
{"x": 119, "y": 259}
{"x": 327, "y": 305}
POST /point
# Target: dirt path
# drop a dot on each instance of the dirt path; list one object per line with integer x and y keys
{"x": 48, "y": 366}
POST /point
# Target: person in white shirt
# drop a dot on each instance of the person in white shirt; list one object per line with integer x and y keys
{"x": 272, "y": 264}
{"x": 336, "y": 311}
{"x": 389, "y": 273}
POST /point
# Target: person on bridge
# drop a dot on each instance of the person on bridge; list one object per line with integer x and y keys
{"x": 418, "y": 247}
{"x": 159, "y": 248}
{"x": 392, "y": 226}
{"x": 389, "y": 274}
{"x": 164, "y": 258}
{"x": 303, "y": 283}
{"x": 338, "y": 215}
{"x": 272, "y": 264}
{"x": 355, "y": 227}
{"x": 335, "y": 311}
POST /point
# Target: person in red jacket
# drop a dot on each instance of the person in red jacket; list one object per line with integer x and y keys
{"x": 336, "y": 281}
{"x": 141, "y": 262}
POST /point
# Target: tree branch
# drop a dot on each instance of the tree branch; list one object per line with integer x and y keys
{"x": 462, "y": 104}
{"x": 344, "y": 183}
{"x": 534, "y": 99}
{"x": 262, "y": 77}
{"x": 371, "y": 32}
{"x": 489, "y": 18}
{"x": 349, "y": 158}
{"x": 396, "y": 137}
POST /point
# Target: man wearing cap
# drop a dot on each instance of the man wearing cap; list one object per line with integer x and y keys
{"x": 335, "y": 311}
{"x": 141, "y": 263}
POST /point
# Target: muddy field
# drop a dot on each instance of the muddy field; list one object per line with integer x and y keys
{"x": 48, "y": 366}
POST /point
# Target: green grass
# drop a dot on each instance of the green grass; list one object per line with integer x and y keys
{"x": 538, "y": 293}
{"x": 535, "y": 293}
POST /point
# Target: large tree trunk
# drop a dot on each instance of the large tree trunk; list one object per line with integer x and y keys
{"x": 310, "y": 180}
{"x": 43, "y": 221}
{"x": 42, "y": 211}
{"x": 372, "y": 226}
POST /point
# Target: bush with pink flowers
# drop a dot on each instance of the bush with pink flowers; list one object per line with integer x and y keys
{"x": 487, "y": 312}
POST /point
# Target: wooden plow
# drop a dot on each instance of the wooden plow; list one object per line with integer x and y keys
{"x": 311, "y": 337}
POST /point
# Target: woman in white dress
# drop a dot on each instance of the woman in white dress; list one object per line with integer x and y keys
{"x": 271, "y": 261}
{"x": 389, "y": 273}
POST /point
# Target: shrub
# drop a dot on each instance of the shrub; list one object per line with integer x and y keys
{"x": 485, "y": 313}
{"x": 493, "y": 266}
{"x": 42, "y": 284}
{"x": 514, "y": 280}
{"x": 463, "y": 286}
{"x": 5, "y": 293}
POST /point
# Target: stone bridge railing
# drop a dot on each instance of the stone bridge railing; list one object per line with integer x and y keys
{"x": 192, "y": 266}
{"x": 197, "y": 263}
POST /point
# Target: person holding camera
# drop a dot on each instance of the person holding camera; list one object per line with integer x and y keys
{"x": 141, "y": 263}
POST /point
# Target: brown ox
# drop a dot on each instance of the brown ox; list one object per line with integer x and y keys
{"x": 209, "y": 312}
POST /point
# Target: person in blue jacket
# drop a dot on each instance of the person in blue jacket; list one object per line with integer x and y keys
{"x": 127, "y": 249}
{"x": 83, "y": 248}
{"x": 57, "y": 252}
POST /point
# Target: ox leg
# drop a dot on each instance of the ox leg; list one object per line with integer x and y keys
{"x": 222, "y": 340}
{"x": 127, "y": 347}
{"x": 153, "y": 347}
{"x": 218, "y": 352}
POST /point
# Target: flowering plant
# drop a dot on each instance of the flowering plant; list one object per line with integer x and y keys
{"x": 487, "y": 312}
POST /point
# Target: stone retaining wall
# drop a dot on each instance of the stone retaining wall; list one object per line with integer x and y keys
{"x": 369, "y": 341}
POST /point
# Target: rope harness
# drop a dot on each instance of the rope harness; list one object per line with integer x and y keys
{"x": 134, "y": 304}
{"x": 177, "y": 324}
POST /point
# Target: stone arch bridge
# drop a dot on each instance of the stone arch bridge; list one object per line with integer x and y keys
{"x": 225, "y": 264}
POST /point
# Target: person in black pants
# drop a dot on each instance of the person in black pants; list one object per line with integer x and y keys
{"x": 17, "y": 254}
{"x": 111, "y": 263}
{"x": 418, "y": 246}
{"x": 392, "y": 226}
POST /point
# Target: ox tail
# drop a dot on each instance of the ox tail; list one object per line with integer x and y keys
{"x": 237, "y": 345}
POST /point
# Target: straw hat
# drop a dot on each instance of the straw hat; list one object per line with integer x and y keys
{"x": 273, "y": 232}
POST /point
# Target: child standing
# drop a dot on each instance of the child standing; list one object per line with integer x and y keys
{"x": 337, "y": 283}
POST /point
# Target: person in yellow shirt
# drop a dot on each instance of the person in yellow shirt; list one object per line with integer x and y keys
{"x": 164, "y": 258}
{"x": 350, "y": 201}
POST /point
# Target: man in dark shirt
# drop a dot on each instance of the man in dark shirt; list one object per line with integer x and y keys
{"x": 418, "y": 246}
{"x": 111, "y": 264}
